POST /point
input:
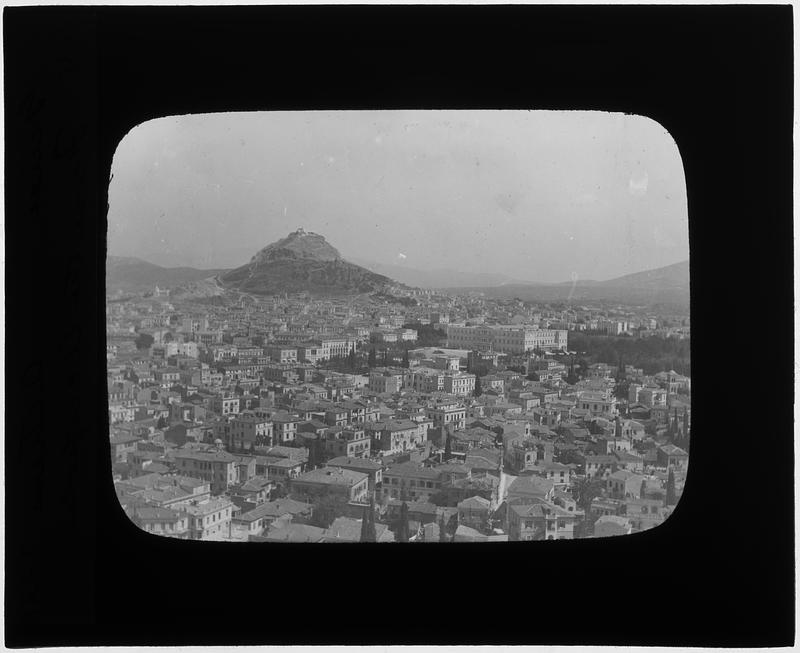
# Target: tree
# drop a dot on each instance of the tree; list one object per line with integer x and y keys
{"x": 162, "y": 423}
{"x": 144, "y": 341}
{"x": 670, "y": 498}
{"x": 368, "y": 524}
{"x": 572, "y": 378}
{"x": 448, "y": 450}
{"x": 643, "y": 489}
{"x": 372, "y": 360}
{"x": 442, "y": 529}
{"x": 385, "y": 357}
{"x": 405, "y": 359}
{"x": 316, "y": 453}
{"x": 478, "y": 391}
{"x": 452, "y": 526}
{"x": 620, "y": 370}
{"x": 325, "y": 511}
{"x": 351, "y": 359}
{"x": 584, "y": 492}
{"x": 401, "y": 529}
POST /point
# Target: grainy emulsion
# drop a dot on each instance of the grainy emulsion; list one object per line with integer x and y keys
{"x": 398, "y": 326}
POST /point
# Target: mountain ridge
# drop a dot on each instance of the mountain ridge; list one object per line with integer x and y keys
{"x": 304, "y": 259}
{"x": 304, "y": 262}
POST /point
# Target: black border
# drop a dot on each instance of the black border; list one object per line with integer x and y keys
{"x": 720, "y": 572}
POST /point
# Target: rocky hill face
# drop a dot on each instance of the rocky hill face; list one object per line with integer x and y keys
{"x": 303, "y": 261}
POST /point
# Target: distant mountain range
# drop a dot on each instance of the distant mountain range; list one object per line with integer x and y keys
{"x": 129, "y": 274}
{"x": 666, "y": 285}
{"x": 439, "y": 278}
{"x": 305, "y": 261}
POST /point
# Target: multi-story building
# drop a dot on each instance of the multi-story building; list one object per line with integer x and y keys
{"x": 210, "y": 519}
{"x": 338, "y": 347}
{"x": 459, "y": 383}
{"x": 161, "y": 521}
{"x": 412, "y": 482}
{"x": 281, "y": 354}
{"x": 369, "y": 467}
{"x": 225, "y": 405}
{"x": 539, "y": 521}
{"x": 219, "y": 468}
{"x": 505, "y": 338}
{"x": 653, "y": 397}
{"x": 386, "y": 380}
{"x": 598, "y": 404}
{"x": 426, "y": 379}
{"x": 249, "y": 430}
{"x": 284, "y": 427}
{"x": 353, "y": 443}
{"x": 447, "y": 413}
{"x": 396, "y": 435}
{"x": 344, "y": 484}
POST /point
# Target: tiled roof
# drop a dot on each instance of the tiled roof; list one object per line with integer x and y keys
{"x": 332, "y": 476}
{"x": 361, "y": 463}
{"x": 475, "y": 502}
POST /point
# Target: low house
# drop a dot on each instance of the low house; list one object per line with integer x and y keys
{"x": 644, "y": 514}
{"x": 283, "y": 470}
{"x": 538, "y": 521}
{"x": 348, "y": 529}
{"x": 343, "y": 484}
{"x": 531, "y": 487}
{"x": 411, "y": 482}
{"x": 623, "y": 484}
{"x": 669, "y": 455}
{"x": 610, "y": 525}
{"x": 293, "y": 533}
{"x": 210, "y": 520}
{"x": 372, "y": 469}
{"x": 557, "y": 472}
{"x": 474, "y": 512}
{"x": 253, "y": 522}
{"x": 160, "y": 521}
{"x": 122, "y": 446}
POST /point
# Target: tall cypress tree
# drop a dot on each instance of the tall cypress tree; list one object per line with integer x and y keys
{"x": 351, "y": 359}
{"x": 405, "y": 359}
{"x": 643, "y": 489}
{"x": 364, "y": 525}
{"x": 448, "y": 450}
{"x": 478, "y": 389}
{"x": 442, "y": 529}
{"x": 372, "y": 359}
{"x": 670, "y": 499}
{"x": 401, "y": 534}
{"x": 368, "y": 524}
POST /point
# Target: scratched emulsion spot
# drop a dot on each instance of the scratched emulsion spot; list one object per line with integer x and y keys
{"x": 638, "y": 184}
{"x": 574, "y": 277}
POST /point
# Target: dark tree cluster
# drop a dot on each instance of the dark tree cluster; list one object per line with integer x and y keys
{"x": 653, "y": 354}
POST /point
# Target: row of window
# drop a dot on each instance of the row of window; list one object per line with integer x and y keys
{"x": 413, "y": 483}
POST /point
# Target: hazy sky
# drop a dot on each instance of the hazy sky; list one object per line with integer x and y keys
{"x": 536, "y": 195}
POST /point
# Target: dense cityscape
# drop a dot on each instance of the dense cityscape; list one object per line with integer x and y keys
{"x": 394, "y": 415}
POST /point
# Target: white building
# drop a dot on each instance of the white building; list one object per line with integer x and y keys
{"x": 505, "y": 338}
